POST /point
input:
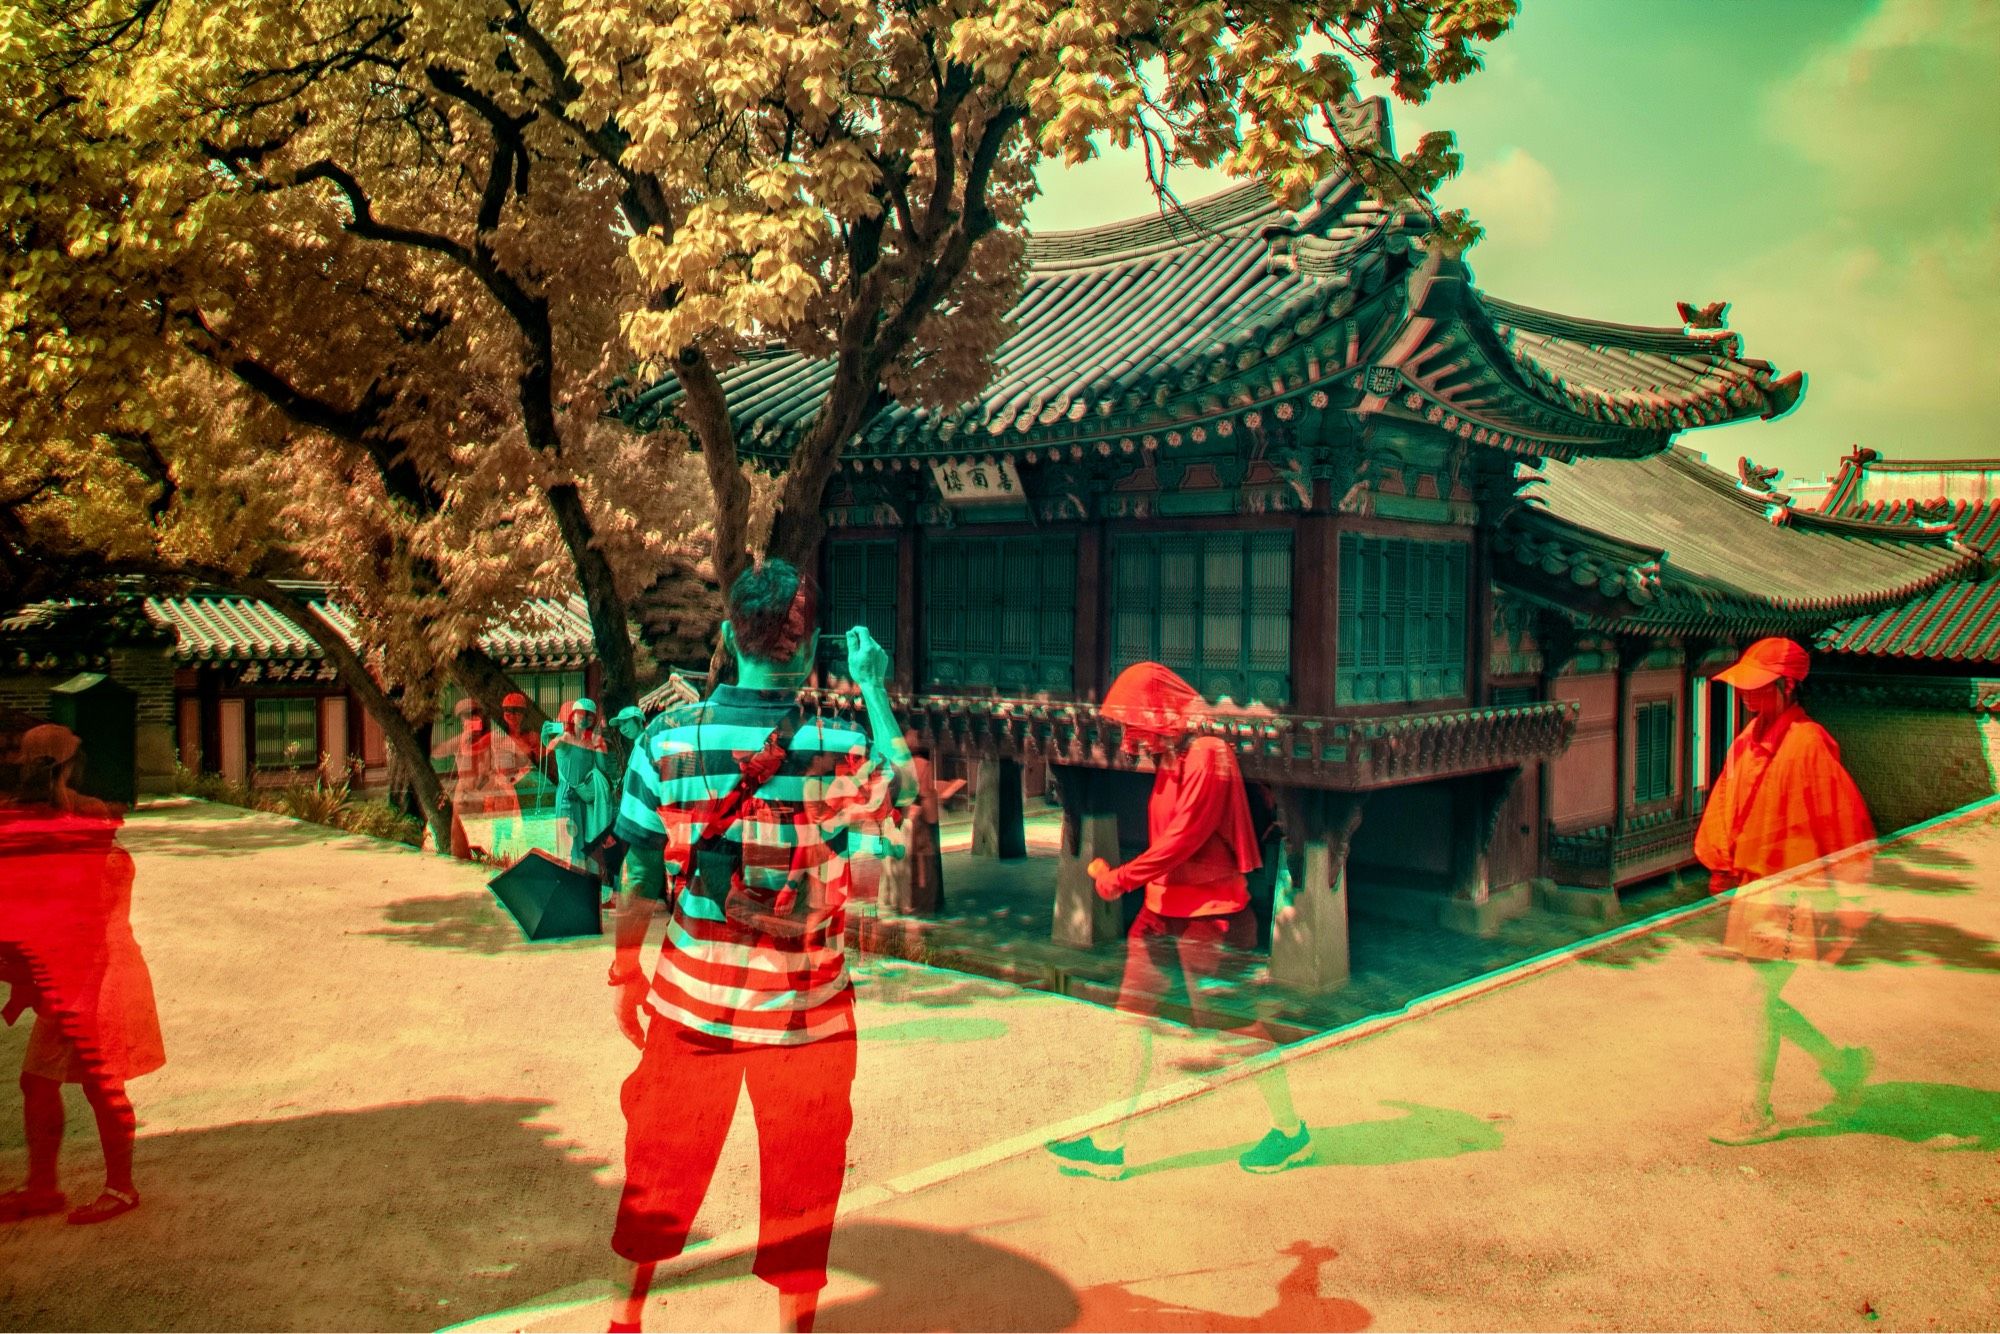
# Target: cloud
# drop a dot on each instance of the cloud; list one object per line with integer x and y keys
{"x": 1514, "y": 197}
{"x": 1903, "y": 117}
{"x": 1889, "y": 298}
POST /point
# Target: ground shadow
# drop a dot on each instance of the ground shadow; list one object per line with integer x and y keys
{"x": 223, "y": 831}
{"x": 1942, "y": 1116}
{"x": 1419, "y": 1134}
{"x": 474, "y": 922}
{"x": 393, "y": 1218}
{"x": 925, "y": 1278}
{"x": 900, "y": 983}
{"x": 951, "y": 1029}
{"x": 1907, "y": 940}
{"x": 1298, "y": 1304}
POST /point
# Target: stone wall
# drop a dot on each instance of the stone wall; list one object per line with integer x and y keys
{"x": 1917, "y": 746}
{"x": 147, "y": 671}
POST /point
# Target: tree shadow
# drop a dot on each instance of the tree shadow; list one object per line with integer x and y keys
{"x": 1942, "y": 1116}
{"x": 472, "y": 922}
{"x": 1420, "y": 1134}
{"x": 1905, "y": 941}
{"x": 224, "y": 831}
{"x": 948, "y": 1029}
{"x": 399, "y": 1217}
{"x": 900, "y": 983}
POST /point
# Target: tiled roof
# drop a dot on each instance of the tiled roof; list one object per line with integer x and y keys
{"x": 1676, "y": 544}
{"x": 1168, "y": 324}
{"x": 1637, "y": 375}
{"x": 1959, "y": 623}
{"x": 218, "y": 628}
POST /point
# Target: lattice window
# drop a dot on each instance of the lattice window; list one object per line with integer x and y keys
{"x": 287, "y": 733}
{"x": 860, "y": 590}
{"x": 1653, "y": 752}
{"x": 1000, "y": 613}
{"x": 1402, "y": 607}
{"x": 1215, "y": 607}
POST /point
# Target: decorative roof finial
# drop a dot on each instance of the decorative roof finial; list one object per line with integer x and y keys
{"x": 1714, "y": 315}
{"x": 1753, "y": 478}
{"x": 1861, "y": 456}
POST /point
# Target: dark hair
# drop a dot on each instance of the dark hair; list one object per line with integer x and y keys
{"x": 773, "y": 608}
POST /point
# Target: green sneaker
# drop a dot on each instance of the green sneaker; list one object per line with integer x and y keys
{"x": 1080, "y": 1157}
{"x": 1278, "y": 1151}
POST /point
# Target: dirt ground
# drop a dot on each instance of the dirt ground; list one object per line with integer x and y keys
{"x": 381, "y": 1109}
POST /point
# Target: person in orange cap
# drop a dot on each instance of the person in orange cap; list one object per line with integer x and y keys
{"x": 1783, "y": 799}
{"x": 1201, "y": 842}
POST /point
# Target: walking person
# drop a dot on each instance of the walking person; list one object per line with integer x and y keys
{"x": 739, "y": 815}
{"x": 1193, "y": 872}
{"x": 67, "y": 949}
{"x": 1783, "y": 799}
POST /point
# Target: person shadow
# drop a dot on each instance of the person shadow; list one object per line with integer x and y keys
{"x": 1950, "y": 1117}
{"x": 1419, "y": 1134}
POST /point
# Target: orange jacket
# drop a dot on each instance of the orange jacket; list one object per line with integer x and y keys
{"x": 1783, "y": 799}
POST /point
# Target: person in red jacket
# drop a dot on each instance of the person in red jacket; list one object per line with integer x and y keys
{"x": 1784, "y": 799}
{"x": 1201, "y": 842}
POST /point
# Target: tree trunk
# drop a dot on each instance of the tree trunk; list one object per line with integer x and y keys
{"x": 480, "y": 675}
{"x": 354, "y": 674}
{"x": 610, "y": 627}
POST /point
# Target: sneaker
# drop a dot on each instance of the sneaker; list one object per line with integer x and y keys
{"x": 1278, "y": 1151}
{"x": 1082, "y": 1158}
{"x": 1753, "y": 1125}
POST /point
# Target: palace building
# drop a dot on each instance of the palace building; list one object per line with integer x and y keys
{"x": 1433, "y": 554}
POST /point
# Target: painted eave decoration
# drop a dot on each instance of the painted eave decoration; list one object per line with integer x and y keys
{"x": 1235, "y": 314}
{"x": 1670, "y": 543}
{"x": 1956, "y": 623}
{"x": 223, "y": 628}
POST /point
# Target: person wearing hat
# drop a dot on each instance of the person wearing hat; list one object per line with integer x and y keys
{"x": 66, "y": 947}
{"x": 629, "y": 722}
{"x": 1201, "y": 844}
{"x": 1783, "y": 799}
{"x": 583, "y": 782}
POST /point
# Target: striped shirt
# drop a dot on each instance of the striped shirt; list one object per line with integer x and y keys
{"x": 724, "y": 977}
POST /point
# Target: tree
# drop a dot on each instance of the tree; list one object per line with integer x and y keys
{"x": 435, "y": 231}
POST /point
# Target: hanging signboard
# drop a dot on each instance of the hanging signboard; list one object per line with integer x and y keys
{"x": 976, "y": 481}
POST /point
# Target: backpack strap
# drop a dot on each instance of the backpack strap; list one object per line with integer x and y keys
{"x": 753, "y": 772}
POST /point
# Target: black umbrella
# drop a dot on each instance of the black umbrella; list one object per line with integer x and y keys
{"x": 550, "y": 899}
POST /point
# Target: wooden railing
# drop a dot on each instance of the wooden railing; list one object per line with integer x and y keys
{"x": 1350, "y": 753}
{"x": 1594, "y": 857}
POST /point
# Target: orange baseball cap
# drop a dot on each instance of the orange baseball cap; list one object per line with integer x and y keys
{"x": 1764, "y": 662}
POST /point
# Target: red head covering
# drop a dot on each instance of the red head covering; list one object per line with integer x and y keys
{"x": 1147, "y": 697}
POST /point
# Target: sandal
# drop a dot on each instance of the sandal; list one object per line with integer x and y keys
{"x": 30, "y": 1202}
{"x": 108, "y": 1205}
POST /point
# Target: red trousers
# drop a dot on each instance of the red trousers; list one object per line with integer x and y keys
{"x": 678, "y": 1106}
{"x": 1159, "y": 945}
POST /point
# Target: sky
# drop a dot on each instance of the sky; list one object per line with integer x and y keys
{"x": 1831, "y": 168}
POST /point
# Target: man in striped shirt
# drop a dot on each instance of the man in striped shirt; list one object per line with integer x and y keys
{"x": 751, "y": 987}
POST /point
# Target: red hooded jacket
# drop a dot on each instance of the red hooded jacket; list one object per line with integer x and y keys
{"x": 1200, "y": 838}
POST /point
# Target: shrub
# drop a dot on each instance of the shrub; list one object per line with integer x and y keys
{"x": 315, "y": 799}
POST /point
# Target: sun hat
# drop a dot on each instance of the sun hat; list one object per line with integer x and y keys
{"x": 1764, "y": 662}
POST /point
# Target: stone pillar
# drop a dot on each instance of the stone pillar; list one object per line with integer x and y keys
{"x": 998, "y": 822}
{"x": 1089, "y": 830}
{"x": 1309, "y": 926}
{"x": 1473, "y": 908}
